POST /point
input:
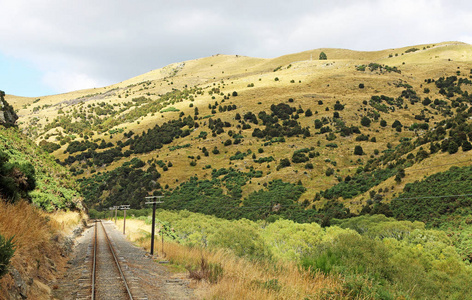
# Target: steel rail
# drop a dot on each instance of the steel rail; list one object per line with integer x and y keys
{"x": 94, "y": 264}
{"x": 117, "y": 262}
{"x": 110, "y": 246}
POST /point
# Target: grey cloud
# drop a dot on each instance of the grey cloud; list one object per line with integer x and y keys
{"x": 112, "y": 40}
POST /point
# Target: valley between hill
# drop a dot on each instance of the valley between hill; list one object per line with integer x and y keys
{"x": 294, "y": 118}
{"x": 297, "y": 143}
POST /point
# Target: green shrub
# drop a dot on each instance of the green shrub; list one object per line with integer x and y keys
{"x": 329, "y": 172}
{"x": 284, "y": 162}
{"x": 411, "y": 50}
{"x": 365, "y": 121}
{"x": 358, "y": 150}
{"x": 7, "y": 249}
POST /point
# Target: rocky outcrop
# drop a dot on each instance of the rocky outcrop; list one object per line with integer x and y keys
{"x": 19, "y": 289}
{"x": 8, "y": 116}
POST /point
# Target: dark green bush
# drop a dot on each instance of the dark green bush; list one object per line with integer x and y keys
{"x": 7, "y": 249}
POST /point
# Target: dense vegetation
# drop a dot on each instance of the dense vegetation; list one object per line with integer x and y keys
{"x": 376, "y": 257}
{"x": 436, "y": 198}
{"x": 27, "y": 172}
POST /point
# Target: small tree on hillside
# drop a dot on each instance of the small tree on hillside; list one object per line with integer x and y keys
{"x": 358, "y": 150}
{"x": 365, "y": 121}
{"x": 323, "y": 56}
{"x": 7, "y": 249}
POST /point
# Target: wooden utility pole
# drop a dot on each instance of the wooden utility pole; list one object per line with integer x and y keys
{"x": 116, "y": 212}
{"x": 111, "y": 212}
{"x": 124, "y": 208}
{"x": 153, "y": 219}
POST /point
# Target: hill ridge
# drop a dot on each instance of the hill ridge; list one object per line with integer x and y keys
{"x": 235, "y": 105}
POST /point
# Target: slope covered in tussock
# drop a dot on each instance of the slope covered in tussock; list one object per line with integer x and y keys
{"x": 295, "y": 118}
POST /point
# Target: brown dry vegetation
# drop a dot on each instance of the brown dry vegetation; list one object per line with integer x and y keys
{"x": 39, "y": 252}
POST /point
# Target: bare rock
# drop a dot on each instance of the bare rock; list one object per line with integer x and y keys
{"x": 8, "y": 116}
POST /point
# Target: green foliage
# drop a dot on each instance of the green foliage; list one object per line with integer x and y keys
{"x": 16, "y": 178}
{"x": 361, "y": 68}
{"x": 287, "y": 240}
{"x": 411, "y": 50}
{"x": 376, "y": 257}
{"x": 156, "y": 137}
{"x": 284, "y": 162}
{"x": 338, "y": 106}
{"x": 261, "y": 203}
{"x": 375, "y": 66}
{"x": 415, "y": 202}
{"x": 219, "y": 196}
{"x": 128, "y": 184}
{"x": 30, "y": 173}
{"x": 173, "y": 148}
{"x": 413, "y": 267}
{"x": 238, "y": 155}
{"x": 273, "y": 129}
{"x": 49, "y": 146}
{"x": 358, "y": 150}
{"x": 365, "y": 121}
{"x": 7, "y": 249}
{"x": 381, "y": 227}
{"x": 299, "y": 156}
{"x": 323, "y": 56}
{"x": 169, "y": 109}
{"x": 261, "y": 160}
{"x": 359, "y": 183}
{"x": 329, "y": 172}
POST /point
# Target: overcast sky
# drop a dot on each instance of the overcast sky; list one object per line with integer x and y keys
{"x": 55, "y": 46}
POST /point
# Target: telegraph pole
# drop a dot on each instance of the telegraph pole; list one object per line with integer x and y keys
{"x": 116, "y": 212}
{"x": 153, "y": 218}
{"x": 124, "y": 208}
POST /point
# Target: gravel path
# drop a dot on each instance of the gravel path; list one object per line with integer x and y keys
{"x": 146, "y": 278}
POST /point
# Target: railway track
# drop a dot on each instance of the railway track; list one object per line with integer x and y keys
{"x": 108, "y": 279}
{"x": 146, "y": 280}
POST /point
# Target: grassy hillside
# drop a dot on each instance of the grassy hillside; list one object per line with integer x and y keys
{"x": 295, "y": 118}
{"x": 265, "y": 145}
{"x": 51, "y": 186}
{"x": 39, "y": 205}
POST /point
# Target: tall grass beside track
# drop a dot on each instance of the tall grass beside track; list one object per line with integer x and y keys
{"x": 235, "y": 277}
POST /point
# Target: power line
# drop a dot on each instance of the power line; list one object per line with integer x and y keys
{"x": 435, "y": 166}
{"x": 433, "y": 197}
{"x": 298, "y": 205}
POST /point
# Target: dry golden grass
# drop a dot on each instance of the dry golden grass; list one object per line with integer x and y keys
{"x": 241, "y": 278}
{"x": 335, "y": 79}
{"x": 38, "y": 256}
{"x": 66, "y": 221}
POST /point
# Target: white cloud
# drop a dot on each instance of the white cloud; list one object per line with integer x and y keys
{"x": 64, "y": 81}
{"x": 96, "y": 42}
